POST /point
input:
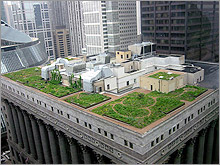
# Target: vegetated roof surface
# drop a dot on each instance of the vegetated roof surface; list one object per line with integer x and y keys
{"x": 164, "y": 75}
{"x": 32, "y": 77}
{"x": 139, "y": 109}
{"x": 86, "y": 99}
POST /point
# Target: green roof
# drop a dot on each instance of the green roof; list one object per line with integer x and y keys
{"x": 164, "y": 75}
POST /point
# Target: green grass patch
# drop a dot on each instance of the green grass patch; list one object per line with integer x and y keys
{"x": 32, "y": 77}
{"x": 87, "y": 99}
{"x": 164, "y": 74}
{"x": 69, "y": 59}
{"x": 166, "y": 104}
{"x": 131, "y": 109}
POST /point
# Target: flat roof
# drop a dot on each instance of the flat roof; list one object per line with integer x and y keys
{"x": 212, "y": 70}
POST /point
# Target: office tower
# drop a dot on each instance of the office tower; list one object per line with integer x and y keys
{"x": 62, "y": 43}
{"x": 190, "y": 28}
{"x": 59, "y": 19}
{"x": 109, "y": 26}
{"x": 68, "y": 14}
{"x": 76, "y": 27}
{"x": 128, "y": 23}
{"x": 33, "y": 19}
{"x": 3, "y": 12}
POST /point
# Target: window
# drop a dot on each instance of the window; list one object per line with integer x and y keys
{"x": 52, "y": 108}
{"x": 108, "y": 86}
{"x": 68, "y": 116}
{"x": 90, "y": 126}
{"x": 125, "y": 142}
{"x": 209, "y": 104}
{"x": 117, "y": 52}
{"x": 174, "y": 129}
{"x": 32, "y": 99}
{"x": 204, "y": 108}
{"x": 45, "y": 105}
{"x": 135, "y": 80}
{"x": 121, "y": 56}
{"x": 189, "y": 118}
{"x": 157, "y": 140}
{"x": 198, "y": 111}
{"x": 27, "y": 96}
{"x": 192, "y": 116}
{"x": 99, "y": 130}
{"x": 105, "y": 133}
{"x": 58, "y": 111}
{"x": 152, "y": 143}
{"x": 112, "y": 136}
{"x": 213, "y": 101}
{"x": 127, "y": 55}
{"x": 131, "y": 145}
{"x": 127, "y": 82}
{"x": 161, "y": 137}
{"x": 185, "y": 121}
{"x": 177, "y": 127}
{"x": 85, "y": 124}
{"x": 6, "y": 116}
{"x": 169, "y": 131}
{"x": 77, "y": 120}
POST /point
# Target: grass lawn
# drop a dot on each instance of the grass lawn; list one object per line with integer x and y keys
{"x": 164, "y": 74}
{"x": 32, "y": 77}
{"x": 133, "y": 109}
{"x": 87, "y": 99}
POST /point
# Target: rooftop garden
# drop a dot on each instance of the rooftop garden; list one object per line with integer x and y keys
{"x": 86, "y": 100}
{"x": 140, "y": 110}
{"x": 69, "y": 59}
{"x": 32, "y": 77}
{"x": 164, "y": 75}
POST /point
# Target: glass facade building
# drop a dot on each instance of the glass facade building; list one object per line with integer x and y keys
{"x": 180, "y": 27}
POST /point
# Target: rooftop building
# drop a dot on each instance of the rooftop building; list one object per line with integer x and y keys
{"x": 134, "y": 126}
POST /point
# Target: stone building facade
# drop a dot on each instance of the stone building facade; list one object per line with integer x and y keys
{"x": 44, "y": 129}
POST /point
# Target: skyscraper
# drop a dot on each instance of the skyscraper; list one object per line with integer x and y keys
{"x": 189, "y": 28}
{"x": 33, "y": 19}
{"x": 76, "y": 27}
{"x": 109, "y": 26}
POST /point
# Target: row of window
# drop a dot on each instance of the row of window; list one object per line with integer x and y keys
{"x": 186, "y": 120}
{"x": 61, "y": 113}
{"x": 128, "y": 144}
{"x": 158, "y": 139}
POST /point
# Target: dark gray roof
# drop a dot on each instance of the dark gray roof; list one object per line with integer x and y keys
{"x": 211, "y": 74}
{"x": 10, "y": 34}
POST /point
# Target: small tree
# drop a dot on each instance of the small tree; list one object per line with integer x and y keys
{"x": 80, "y": 82}
{"x": 71, "y": 80}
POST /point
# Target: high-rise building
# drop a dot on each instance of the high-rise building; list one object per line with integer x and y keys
{"x": 62, "y": 43}
{"x": 33, "y": 19}
{"x": 128, "y": 23}
{"x": 109, "y": 26}
{"x": 67, "y": 14}
{"x": 190, "y": 28}
{"x": 76, "y": 27}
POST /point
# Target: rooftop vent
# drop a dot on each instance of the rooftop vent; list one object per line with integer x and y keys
{"x": 161, "y": 77}
{"x": 171, "y": 78}
{"x": 169, "y": 72}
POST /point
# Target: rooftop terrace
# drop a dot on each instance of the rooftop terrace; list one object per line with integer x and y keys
{"x": 164, "y": 75}
{"x": 138, "y": 109}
